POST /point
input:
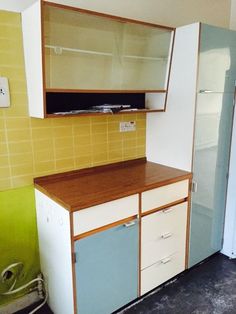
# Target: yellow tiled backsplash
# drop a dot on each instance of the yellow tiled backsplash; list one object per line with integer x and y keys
{"x": 32, "y": 147}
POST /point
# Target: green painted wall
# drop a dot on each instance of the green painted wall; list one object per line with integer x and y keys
{"x": 18, "y": 234}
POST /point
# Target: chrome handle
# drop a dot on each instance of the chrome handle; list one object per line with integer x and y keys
{"x": 166, "y": 235}
{"x": 166, "y": 260}
{"x": 205, "y": 91}
{"x": 129, "y": 224}
{"x": 167, "y": 210}
{"x": 194, "y": 186}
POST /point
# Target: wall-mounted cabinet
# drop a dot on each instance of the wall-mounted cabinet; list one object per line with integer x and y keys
{"x": 71, "y": 50}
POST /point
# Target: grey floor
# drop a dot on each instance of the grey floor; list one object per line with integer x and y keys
{"x": 208, "y": 288}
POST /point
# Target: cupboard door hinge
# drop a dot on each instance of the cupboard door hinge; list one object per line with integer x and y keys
{"x": 74, "y": 258}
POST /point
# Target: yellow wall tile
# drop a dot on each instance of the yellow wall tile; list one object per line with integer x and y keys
{"x": 22, "y": 169}
{"x": 5, "y": 184}
{"x": 44, "y": 166}
{"x": 67, "y": 163}
{"x": 20, "y": 147}
{"x": 44, "y": 155}
{"x": 19, "y": 159}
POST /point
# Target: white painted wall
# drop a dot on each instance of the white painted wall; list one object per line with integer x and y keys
{"x": 15, "y": 5}
{"x": 233, "y": 15}
{"x": 166, "y": 12}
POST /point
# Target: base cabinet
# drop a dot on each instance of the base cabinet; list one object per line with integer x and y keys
{"x": 98, "y": 259}
{"x": 107, "y": 269}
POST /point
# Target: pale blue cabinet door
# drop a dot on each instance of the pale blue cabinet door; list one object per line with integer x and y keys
{"x": 212, "y": 138}
{"x": 107, "y": 269}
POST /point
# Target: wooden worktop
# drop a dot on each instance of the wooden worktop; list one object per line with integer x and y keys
{"x": 79, "y": 189}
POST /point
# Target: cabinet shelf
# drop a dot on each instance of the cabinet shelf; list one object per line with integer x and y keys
{"x": 59, "y": 50}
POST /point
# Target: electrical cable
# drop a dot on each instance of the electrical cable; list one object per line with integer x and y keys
{"x": 11, "y": 291}
{"x": 22, "y": 287}
{"x": 40, "y": 305}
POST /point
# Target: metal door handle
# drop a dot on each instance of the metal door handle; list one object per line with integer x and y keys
{"x": 166, "y": 260}
{"x": 194, "y": 186}
{"x": 205, "y": 91}
{"x": 167, "y": 210}
{"x": 166, "y": 235}
{"x": 129, "y": 224}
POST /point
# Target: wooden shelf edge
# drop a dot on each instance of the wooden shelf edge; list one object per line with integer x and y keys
{"x": 128, "y": 91}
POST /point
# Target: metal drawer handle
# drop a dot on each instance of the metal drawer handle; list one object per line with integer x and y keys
{"x": 129, "y": 224}
{"x": 205, "y": 91}
{"x": 166, "y": 260}
{"x": 168, "y": 210}
{"x": 166, "y": 235}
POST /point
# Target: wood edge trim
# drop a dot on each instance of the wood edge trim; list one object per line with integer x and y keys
{"x": 73, "y": 262}
{"x": 98, "y": 91}
{"x": 140, "y": 245}
{"x": 182, "y": 200}
{"x": 43, "y": 58}
{"x": 187, "y": 244}
{"x": 110, "y": 16}
{"x": 103, "y": 228}
{"x": 169, "y": 70}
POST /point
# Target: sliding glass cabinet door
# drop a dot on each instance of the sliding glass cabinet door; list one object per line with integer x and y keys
{"x": 213, "y": 125}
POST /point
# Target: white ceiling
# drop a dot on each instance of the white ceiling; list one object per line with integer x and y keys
{"x": 15, "y": 5}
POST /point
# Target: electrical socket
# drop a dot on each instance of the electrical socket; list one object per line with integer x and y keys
{"x": 127, "y": 126}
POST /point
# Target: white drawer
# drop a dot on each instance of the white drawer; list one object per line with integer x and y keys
{"x": 162, "y": 271}
{"x": 100, "y": 215}
{"x": 164, "y": 195}
{"x": 163, "y": 232}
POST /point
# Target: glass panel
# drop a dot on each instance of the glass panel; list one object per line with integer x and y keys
{"x": 217, "y": 67}
{"x": 145, "y": 57}
{"x": 84, "y": 51}
{"x": 210, "y": 167}
{"x": 79, "y": 49}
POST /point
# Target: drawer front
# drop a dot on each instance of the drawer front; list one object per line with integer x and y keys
{"x": 97, "y": 216}
{"x": 162, "y": 271}
{"x": 162, "y": 233}
{"x": 164, "y": 195}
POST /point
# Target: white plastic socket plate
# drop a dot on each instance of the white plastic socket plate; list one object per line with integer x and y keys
{"x": 4, "y": 93}
{"x": 127, "y": 126}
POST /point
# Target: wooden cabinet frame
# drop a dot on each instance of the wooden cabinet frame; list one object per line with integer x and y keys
{"x": 35, "y": 64}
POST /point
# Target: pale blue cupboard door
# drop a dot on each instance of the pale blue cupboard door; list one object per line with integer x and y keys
{"x": 213, "y": 126}
{"x": 107, "y": 269}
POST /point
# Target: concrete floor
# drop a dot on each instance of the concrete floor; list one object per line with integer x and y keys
{"x": 208, "y": 288}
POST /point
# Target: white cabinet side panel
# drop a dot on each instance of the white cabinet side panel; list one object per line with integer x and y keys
{"x": 53, "y": 224}
{"x": 229, "y": 244}
{"x": 170, "y": 134}
{"x": 32, "y": 38}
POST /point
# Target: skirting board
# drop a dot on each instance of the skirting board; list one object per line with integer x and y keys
{"x": 20, "y": 303}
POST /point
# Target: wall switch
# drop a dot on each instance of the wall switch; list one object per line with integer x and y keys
{"x": 4, "y": 93}
{"x": 127, "y": 126}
